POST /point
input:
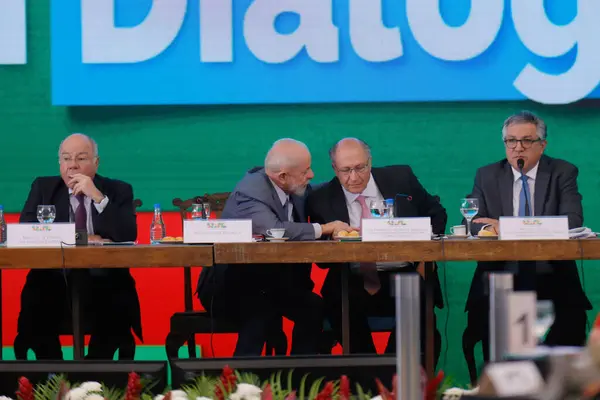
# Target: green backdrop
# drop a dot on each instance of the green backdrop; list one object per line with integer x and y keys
{"x": 181, "y": 151}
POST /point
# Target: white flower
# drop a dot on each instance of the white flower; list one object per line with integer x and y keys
{"x": 178, "y": 394}
{"x": 197, "y": 398}
{"x": 246, "y": 391}
{"x": 5, "y": 398}
{"x": 376, "y": 398}
{"x": 76, "y": 394}
{"x": 159, "y": 397}
{"x": 457, "y": 393}
{"x": 91, "y": 386}
{"x": 94, "y": 396}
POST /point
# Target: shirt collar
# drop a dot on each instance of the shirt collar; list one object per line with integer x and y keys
{"x": 283, "y": 196}
{"x": 370, "y": 191}
{"x": 531, "y": 174}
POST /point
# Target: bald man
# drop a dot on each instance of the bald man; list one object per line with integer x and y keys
{"x": 346, "y": 198}
{"x": 104, "y": 208}
{"x": 258, "y": 295}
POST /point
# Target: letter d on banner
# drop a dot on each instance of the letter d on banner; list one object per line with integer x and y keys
{"x": 13, "y": 44}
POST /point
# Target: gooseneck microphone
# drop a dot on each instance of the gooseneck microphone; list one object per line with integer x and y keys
{"x": 521, "y": 164}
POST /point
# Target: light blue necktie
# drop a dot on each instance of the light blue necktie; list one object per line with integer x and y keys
{"x": 524, "y": 198}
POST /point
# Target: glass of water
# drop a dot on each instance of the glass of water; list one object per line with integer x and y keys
{"x": 469, "y": 208}
{"x": 206, "y": 207}
{"x": 197, "y": 211}
{"x": 46, "y": 214}
{"x": 378, "y": 209}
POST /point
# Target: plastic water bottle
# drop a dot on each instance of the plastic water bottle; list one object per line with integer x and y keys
{"x": 2, "y": 226}
{"x": 157, "y": 229}
{"x": 389, "y": 204}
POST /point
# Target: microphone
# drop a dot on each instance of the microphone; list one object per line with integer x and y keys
{"x": 521, "y": 164}
{"x": 398, "y": 196}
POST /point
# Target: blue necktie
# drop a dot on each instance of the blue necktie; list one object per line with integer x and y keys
{"x": 524, "y": 198}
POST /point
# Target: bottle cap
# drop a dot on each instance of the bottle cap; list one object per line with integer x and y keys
{"x": 157, "y": 205}
{"x": 389, "y": 201}
{"x": 1, "y": 207}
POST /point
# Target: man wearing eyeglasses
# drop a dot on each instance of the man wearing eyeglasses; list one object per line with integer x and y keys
{"x": 346, "y": 198}
{"x": 529, "y": 183}
{"x": 104, "y": 208}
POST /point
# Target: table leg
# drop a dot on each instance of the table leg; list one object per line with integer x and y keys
{"x": 1, "y": 341}
{"x": 429, "y": 320}
{"x": 345, "y": 310}
{"x": 189, "y": 306}
{"x": 78, "y": 335}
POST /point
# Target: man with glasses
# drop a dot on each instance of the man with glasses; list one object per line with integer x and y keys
{"x": 529, "y": 183}
{"x": 346, "y": 198}
{"x": 104, "y": 208}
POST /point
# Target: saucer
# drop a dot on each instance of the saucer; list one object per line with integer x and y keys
{"x": 457, "y": 236}
{"x": 275, "y": 240}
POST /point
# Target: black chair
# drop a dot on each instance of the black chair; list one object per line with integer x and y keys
{"x": 185, "y": 325}
{"x": 126, "y": 349}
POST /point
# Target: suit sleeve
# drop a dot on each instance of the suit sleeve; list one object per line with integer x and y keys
{"x": 29, "y": 212}
{"x": 428, "y": 205}
{"x": 264, "y": 218}
{"x": 118, "y": 221}
{"x": 477, "y": 193}
{"x": 570, "y": 198}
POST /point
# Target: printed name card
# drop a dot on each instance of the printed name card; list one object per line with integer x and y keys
{"x": 508, "y": 379}
{"x": 217, "y": 231}
{"x": 534, "y": 228}
{"x": 40, "y": 235}
{"x": 396, "y": 229}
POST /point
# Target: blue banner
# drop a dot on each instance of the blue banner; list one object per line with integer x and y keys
{"x": 127, "y": 52}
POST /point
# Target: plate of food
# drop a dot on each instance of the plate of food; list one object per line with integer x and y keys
{"x": 345, "y": 236}
{"x": 172, "y": 240}
{"x": 484, "y": 234}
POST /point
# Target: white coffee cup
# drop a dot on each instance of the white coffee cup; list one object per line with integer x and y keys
{"x": 276, "y": 232}
{"x": 458, "y": 230}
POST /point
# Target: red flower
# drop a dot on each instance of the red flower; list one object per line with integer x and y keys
{"x": 228, "y": 381}
{"x": 62, "y": 391}
{"x": 384, "y": 392}
{"x": 25, "y": 391}
{"x": 291, "y": 396}
{"x": 430, "y": 392}
{"x": 167, "y": 396}
{"x": 267, "y": 393}
{"x": 134, "y": 387}
{"x": 344, "y": 392}
{"x": 326, "y": 393}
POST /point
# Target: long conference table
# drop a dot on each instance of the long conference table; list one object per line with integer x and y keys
{"x": 297, "y": 252}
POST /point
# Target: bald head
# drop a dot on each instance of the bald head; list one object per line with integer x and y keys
{"x": 351, "y": 161}
{"x": 79, "y": 140}
{"x": 350, "y": 145}
{"x": 78, "y": 154}
{"x": 288, "y": 165}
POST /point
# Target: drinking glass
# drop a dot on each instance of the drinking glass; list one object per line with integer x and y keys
{"x": 469, "y": 208}
{"x": 46, "y": 214}
{"x": 378, "y": 209}
{"x": 544, "y": 318}
{"x": 206, "y": 209}
{"x": 197, "y": 211}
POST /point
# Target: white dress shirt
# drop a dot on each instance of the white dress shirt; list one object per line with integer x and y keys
{"x": 87, "y": 201}
{"x": 285, "y": 198}
{"x": 518, "y": 184}
{"x": 370, "y": 193}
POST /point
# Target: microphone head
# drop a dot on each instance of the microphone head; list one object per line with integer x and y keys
{"x": 520, "y": 163}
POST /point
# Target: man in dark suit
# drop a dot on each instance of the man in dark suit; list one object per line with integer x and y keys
{"x": 103, "y": 207}
{"x": 345, "y": 198}
{"x": 257, "y": 295}
{"x": 550, "y": 189}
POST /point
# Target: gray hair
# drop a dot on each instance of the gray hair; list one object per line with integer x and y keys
{"x": 277, "y": 160}
{"x": 92, "y": 141}
{"x": 334, "y": 148}
{"x": 526, "y": 117}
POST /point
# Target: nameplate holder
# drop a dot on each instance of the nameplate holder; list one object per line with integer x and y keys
{"x": 396, "y": 229}
{"x": 217, "y": 231}
{"x": 511, "y": 379}
{"x": 534, "y": 228}
{"x": 521, "y": 316}
{"x": 40, "y": 235}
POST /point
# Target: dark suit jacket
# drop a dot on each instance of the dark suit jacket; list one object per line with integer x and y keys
{"x": 328, "y": 203}
{"x": 254, "y": 197}
{"x": 117, "y": 222}
{"x": 556, "y": 193}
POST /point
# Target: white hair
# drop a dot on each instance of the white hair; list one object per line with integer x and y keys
{"x": 278, "y": 159}
{"x": 92, "y": 141}
{"x": 526, "y": 117}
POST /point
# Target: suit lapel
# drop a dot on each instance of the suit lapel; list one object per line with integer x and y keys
{"x": 505, "y": 188}
{"x": 385, "y": 188}
{"x": 541, "y": 186}
{"x": 338, "y": 202}
{"x": 281, "y": 213}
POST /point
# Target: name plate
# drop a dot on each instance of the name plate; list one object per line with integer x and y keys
{"x": 217, "y": 231}
{"x": 534, "y": 228}
{"x": 40, "y": 235}
{"x": 396, "y": 229}
{"x": 511, "y": 379}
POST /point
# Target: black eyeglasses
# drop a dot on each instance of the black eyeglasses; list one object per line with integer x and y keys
{"x": 526, "y": 143}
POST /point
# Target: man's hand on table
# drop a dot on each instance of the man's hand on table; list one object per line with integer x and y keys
{"x": 492, "y": 224}
{"x": 97, "y": 238}
{"x": 333, "y": 228}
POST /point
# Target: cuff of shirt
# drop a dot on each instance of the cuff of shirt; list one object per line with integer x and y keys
{"x": 102, "y": 205}
{"x": 318, "y": 230}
